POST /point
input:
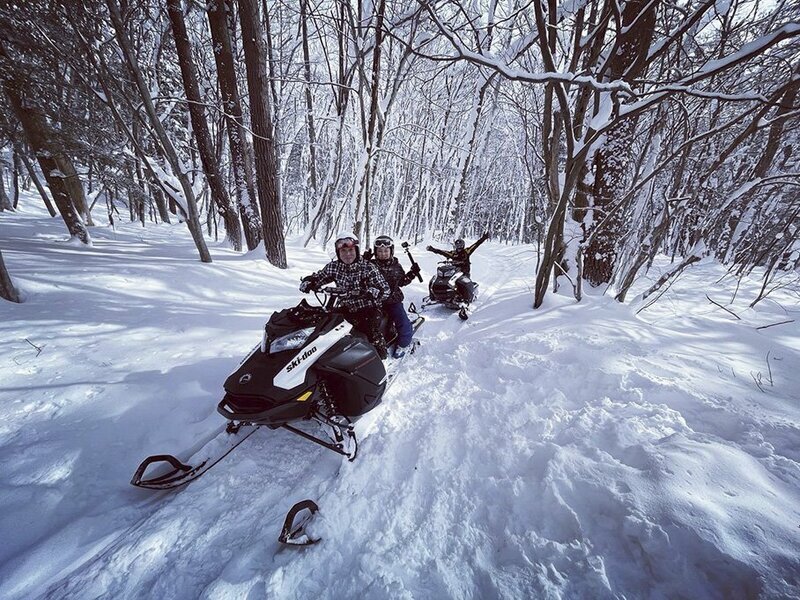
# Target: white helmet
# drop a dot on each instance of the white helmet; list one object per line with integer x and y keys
{"x": 346, "y": 238}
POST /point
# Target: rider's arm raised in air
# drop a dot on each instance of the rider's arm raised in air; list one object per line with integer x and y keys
{"x": 474, "y": 246}
{"x": 444, "y": 253}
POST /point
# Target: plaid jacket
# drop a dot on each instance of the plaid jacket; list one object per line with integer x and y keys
{"x": 361, "y": 277}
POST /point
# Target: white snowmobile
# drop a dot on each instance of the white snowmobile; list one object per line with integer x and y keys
{"x": 311, "y": 365}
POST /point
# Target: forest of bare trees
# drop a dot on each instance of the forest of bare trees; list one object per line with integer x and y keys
{"x": 603, "y": 132}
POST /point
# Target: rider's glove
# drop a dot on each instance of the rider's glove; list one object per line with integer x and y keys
{"x": 307, "y": 285}
{"x": 429, "y": 248}
{"x": 414, "y": 269}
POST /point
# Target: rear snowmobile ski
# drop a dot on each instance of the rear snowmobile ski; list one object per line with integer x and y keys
{"x": 311, "y": 365}
{"x": 294, "y": 529}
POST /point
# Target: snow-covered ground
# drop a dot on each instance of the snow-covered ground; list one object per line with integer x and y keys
{"x": 577, "y": 451}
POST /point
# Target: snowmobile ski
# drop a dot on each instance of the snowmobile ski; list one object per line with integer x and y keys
{"x": 294, "y": 534}
{"x": 180, "y": 473}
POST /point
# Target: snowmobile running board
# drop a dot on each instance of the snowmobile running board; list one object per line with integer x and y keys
{"x": 295, "y": 535}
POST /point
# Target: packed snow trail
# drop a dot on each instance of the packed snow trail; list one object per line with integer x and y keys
{"x": 544, "y": 487}
{"x": 579, "y": 450}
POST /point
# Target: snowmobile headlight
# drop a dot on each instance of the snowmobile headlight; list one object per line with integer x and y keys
{"x": 291, "y": 341}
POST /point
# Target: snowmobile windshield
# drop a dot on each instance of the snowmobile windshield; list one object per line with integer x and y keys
{"x": 446, "y": 270}
{"x": 291, "y": 341}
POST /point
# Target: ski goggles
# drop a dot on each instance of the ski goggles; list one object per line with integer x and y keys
{"x": 346, "y": 243}
{"x": 383, "y": 243}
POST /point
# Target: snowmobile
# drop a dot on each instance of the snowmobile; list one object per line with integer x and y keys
{"x": 311, "y": 365}
{"x": 444, "y": 289}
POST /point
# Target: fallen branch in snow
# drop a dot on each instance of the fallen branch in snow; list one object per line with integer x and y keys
{"x": 663, "y": 279}
{"x": 757, "y": 377}
{"x": 723, "y": 308}
{"x": 38, "y": 350}
{"x": 774, "y": 324}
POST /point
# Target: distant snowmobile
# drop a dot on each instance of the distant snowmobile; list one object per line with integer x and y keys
{"x": 310, "y": 365}
{"x": 450, "y": 288}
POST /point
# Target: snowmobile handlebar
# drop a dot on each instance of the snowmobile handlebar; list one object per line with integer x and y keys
{"x": 332, "y": 291}
{"x": 413, "y": 262}
{"x": 330, "y": 295}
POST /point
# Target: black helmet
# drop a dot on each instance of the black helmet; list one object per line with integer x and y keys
{"x": 383, "y": 241}
{"x": 459, "y": 244}
{"x": 347, "y": 239}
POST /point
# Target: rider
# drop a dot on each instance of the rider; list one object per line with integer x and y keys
{"x": 364, "y": 289}
{"x": 459, "y": 256}
{"x": 392, "y": 271}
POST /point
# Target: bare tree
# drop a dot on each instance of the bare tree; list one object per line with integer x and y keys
{"x": 200, "y": 129}
{"x": 263, "y": 141}
{"x": 56, "y": 166}
{"x": 7, "y": 289}
{"x": 193, "y": 220}
{"x": 240, "y": 150}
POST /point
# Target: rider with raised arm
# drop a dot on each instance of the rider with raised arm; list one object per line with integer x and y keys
{"x": 460, "y": 257}
{"x": 363, "y": 289}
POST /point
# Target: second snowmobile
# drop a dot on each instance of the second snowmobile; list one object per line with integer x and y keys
{"x": 451, "y": 288}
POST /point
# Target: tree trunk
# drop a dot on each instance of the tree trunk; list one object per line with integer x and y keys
{"x": 241, "y": 153}
{"x": 365, "y": 184}
{"x": 202, "y": 135}
{"x": 785, "y": 105}
{"x": 38, "y": 184}
{"x": 51, "y": 160}
{"x": 16, "y": 171}
{"x": 554, "y": 123}
{"x": 312, "y": 136}
{"x": 455, "y": 211}
{"x": 193, "y": 220}
{"x": 322, "y": 210}
{"x": 627, "y": 62}
{"x": 264, "y": 145}
{"x": 5, "y": 201}
{"x": 7, "y": 289}
{"x": 274, "y": 106}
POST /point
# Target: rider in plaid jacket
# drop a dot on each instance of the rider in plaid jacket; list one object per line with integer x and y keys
{"x": 365, "y": 286}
